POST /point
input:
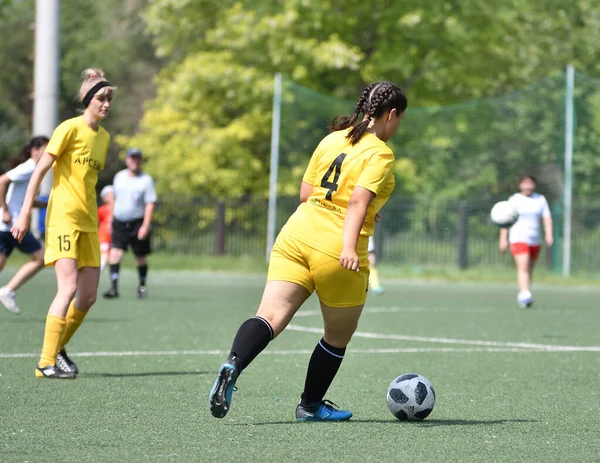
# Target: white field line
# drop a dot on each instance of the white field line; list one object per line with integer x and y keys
{"x": 401, "y": 350}
{"x": 313, "y": 313}
{"x": 400, "y": 337}
{"x": 407, "y": 309}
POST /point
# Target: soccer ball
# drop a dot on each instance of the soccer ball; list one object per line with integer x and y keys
{"x": 504, "y": 214}
{"x": 410, "y": 397}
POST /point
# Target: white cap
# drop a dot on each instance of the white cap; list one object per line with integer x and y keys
{"x": 107, "y": 189}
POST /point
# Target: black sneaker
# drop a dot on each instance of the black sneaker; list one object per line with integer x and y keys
{"x": 111, "y": 294}
{"x": 54, "y": 372}
{"x": 65, "y": 363}
{"x": 142, "y": 292}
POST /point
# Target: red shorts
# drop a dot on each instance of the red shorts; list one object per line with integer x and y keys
{"x": 524, "y": 248}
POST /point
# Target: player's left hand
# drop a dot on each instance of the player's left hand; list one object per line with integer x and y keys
{"x": 142, "y": 233}
{"x": 377, "y": 217}
{"x": 20, "y": 227}
{"x": 549, "y": 241}
{"x": 349, "y": 259}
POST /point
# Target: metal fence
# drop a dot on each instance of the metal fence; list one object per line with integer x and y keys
{"x": 413, "y": 231}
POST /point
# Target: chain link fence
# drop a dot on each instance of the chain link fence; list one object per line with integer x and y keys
{"x": 412, "y": 231}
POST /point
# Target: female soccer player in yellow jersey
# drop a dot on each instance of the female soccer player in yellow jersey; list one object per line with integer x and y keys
{"x": 323, "y": 248}
{"x": 76, "y": 151}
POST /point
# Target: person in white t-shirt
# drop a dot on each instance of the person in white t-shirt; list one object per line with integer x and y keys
{"x": 13, "y": 185}
{"x": 525, "y": 236}
{"x": 133, "y": 208}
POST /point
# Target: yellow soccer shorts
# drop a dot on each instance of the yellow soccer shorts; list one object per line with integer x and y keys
{"x": 335, "y": 285}
{"x": 67, "y": 243}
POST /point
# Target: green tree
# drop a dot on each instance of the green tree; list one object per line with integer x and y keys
{"x": 108, "y": 34}
{"x": 16, "y": 77}
{"x": 209, "y": 125}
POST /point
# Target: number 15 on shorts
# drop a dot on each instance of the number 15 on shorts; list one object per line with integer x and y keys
{"x": 64, "y": 243}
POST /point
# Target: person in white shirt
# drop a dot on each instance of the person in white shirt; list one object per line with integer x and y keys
{"x": 525, "y": 236}
{"x": 13, "y": 185}
{"x": 133, "y": 207}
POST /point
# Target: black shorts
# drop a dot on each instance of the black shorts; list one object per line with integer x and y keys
{"x": 124, "y": 234}
{"x": 28, "y": 245}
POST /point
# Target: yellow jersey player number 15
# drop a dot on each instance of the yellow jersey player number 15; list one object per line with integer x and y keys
{"x": 324, "y": 248}
{"x": 76, "y": 151}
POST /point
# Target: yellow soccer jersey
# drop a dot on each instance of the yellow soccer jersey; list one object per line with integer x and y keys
{"x": 335, "y": 169}
{"x": 80, "y": 153}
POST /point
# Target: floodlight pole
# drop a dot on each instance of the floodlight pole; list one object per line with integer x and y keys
{"x": 568, "y": 184}
{"x": 46, "y": 78}
{"x": 275, "y": 128}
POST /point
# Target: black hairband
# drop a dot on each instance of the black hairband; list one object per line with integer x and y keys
{"x": 87, "y": 99}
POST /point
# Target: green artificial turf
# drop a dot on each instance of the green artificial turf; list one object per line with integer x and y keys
{"x": 511, "y": 384}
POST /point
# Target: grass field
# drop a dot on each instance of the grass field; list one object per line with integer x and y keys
{"x": 511, "y": 384}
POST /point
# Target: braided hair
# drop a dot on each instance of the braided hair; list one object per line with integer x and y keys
{"x": 375, "y": 100}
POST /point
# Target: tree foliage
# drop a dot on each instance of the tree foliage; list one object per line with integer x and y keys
{"x": 206, "y": 121}
{"x": 209, "y": 125}
{"x": 106, "y": 34}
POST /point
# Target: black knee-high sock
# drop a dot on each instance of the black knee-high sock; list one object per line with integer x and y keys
{"x": 142, "y": 272}
{"x": 114, "y": 276}
{"x": 322, "y": 368}
{"x": 252, "y": 337}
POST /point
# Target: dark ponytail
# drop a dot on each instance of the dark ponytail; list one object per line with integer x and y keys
{"x": 375, "y": 100}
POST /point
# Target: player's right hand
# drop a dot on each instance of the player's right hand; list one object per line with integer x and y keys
{"x": 6, "y": 216}
{"x": 503, "y": 246}
{"x": 20, "y": 227}
{"x": 349, "y": 259}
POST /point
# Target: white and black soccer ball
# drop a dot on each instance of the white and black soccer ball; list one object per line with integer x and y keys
{"x": 504, "y": 214}
{"x": 410, "y": 397}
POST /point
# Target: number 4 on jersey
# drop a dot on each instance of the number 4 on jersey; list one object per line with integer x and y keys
{"x": 336, "y": 169}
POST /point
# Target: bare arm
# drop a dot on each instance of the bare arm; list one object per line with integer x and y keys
{"x": 148, "y": 213}
{"x": 503, "y": 244}
{"x": 306, "y": 190}
{"x": 145, "y": 227}
{"x": 355, "y": 218}
{"x": 548, "y": 229}
{"x": 22, "y": 224}
{"x": 4, "y": 182}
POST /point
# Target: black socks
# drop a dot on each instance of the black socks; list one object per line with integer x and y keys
{"x": 142, "y": 272}
{"x": 114, "y": 276}
{"x": 322, "y": 368}
{"x": 256, "y": 333}
{"x": 252, "y": 337}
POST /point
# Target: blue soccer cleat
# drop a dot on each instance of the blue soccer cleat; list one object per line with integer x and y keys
{"x": 321, "y": 411}
{"x": 219, "y": 399}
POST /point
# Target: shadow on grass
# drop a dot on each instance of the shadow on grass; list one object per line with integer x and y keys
{"x": 468, "y": 422}
{"x": 425, "y": 423}
{"x": 141, "y": 374}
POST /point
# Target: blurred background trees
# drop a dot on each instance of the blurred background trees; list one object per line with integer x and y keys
{"x": 195, "y": 81}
